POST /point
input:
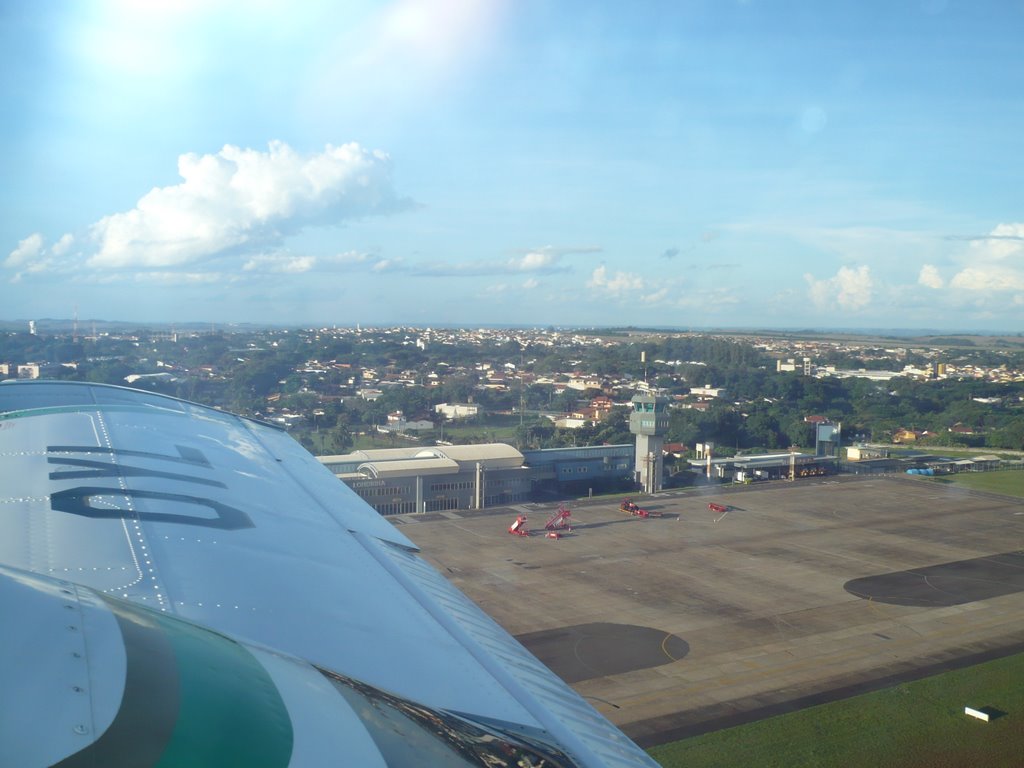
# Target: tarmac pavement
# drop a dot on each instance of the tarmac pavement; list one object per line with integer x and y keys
{"x": 800, "y": 593}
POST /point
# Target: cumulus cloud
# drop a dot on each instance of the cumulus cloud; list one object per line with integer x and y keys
{"x": 617, "y": 284}
{"x": 62, "y": 246}
{"x": 989, "y": 278}
{"x": 32, "y": 255}
{"x": 531, "y": 283}
{"x": 850, "y": 289}
{"x": 994, "y": 263}
{"x": 241, "y": 200}
{"x": 28, "y": 250}
{"x": 545, "y": 259}
{"x": 387, "y": 265}
{"x": 533, "y": 262}
{"x": 930, "y": 277}
{"x": 232, "y": 210}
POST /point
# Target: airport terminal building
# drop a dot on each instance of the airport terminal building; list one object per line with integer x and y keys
{"x": 432, "y": 478}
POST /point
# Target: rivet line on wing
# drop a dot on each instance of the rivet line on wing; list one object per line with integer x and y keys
{"x": 128, "y": 505}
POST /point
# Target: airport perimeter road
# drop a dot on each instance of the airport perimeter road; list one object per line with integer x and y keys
{"x": 799, "y": 593}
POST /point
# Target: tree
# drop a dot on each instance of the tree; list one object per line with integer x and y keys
{"x": 683, "y": 427}
{"x": 762, "y": 429}
{"x": 338, "y": 439}
{"x": 614, "y": 430}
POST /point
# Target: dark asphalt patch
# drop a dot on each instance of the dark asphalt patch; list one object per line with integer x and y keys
{"x": 586, "y": 651}
{"x": 956, "y": 583}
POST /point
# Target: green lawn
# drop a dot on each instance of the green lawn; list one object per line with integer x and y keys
{"x": 921, "y": 723}
{"x": 480, "y": 433}
{"x": 1007, "y": 481}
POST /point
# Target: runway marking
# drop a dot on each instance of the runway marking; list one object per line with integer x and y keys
{"x": 821, "y": 551}
{"x": 776, "y": 620}
{"x": 576, "y": 653}
{"x": 664, "y": 650}
{"x": 467, "y": 530}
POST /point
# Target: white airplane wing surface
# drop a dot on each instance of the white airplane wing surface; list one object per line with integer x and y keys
{"x": 184, "y": 587}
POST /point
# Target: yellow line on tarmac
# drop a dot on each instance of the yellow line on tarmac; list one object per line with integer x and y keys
{"x": 664, "y": 649}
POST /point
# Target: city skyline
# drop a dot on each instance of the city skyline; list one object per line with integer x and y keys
{"x": 441, "y": 162}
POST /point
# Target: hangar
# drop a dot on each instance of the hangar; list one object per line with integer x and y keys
{"x": 433, "y": 478}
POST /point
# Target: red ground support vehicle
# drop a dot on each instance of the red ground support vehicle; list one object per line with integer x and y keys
{"x": 718, "y": 507}
{"x": 630, "y": 508}
{"x": 519, "y": 528}
{"x": 561, "y": 520}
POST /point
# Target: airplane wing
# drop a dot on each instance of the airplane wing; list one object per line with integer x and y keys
{"x": 182, "y": 586}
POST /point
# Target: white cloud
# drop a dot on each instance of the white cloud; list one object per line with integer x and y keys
{"x": 930, "y": 277}
{"x": 242, "y": 200}
{"x": 183, "y": 278}
{"x": 533, "y": 261}
{"x": 30, "y": 257}
{"x": 62, "y": 246}
{"x": 545, "y": 260}
{"x": 530, "y": 284}
{"x": 617, "y": 284}
{"x": 994, "y": 263}
{"x": 850, "y": 289}
{"x": 28, "y": 250}
{"x": 351, "y": 261}
{"x": 989, "y": 278}
{"x": 351, "y": 258}
{"x": 280, "y": 264}
{"x": 387, "y": 265}
{"x": 657, "y": 297}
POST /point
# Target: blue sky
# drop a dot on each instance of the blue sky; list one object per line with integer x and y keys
{"x": 477, "y": 162}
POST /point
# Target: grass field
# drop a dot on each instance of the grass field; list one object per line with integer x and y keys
{"x": 481, "y": 433}
{"x": 1008, "y": 482}
{"x": 921, "y": 723}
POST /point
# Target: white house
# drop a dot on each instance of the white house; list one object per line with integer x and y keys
{"x": 457, "y": 410}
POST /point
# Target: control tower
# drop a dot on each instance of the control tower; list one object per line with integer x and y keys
{"x": 649, "y": 422}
